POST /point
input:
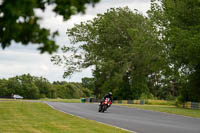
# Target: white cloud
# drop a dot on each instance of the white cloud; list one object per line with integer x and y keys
{"x": 104, "y": 5}
{"x": 19, "y": 59}
{"x": 17, "y": 62}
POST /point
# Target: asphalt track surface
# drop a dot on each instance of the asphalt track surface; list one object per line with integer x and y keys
{"x": 137, "y": 120}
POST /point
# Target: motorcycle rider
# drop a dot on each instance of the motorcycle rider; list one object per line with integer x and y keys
{"x": 108, "y": 95}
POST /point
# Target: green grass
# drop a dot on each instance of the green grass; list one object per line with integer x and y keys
{"x": 46, "y": 99}
{"x": 62, "y": 100}
{"x": 167, "y": 109}
{"x": 8, "y": 99}
{"x": 35, "y": 117}
{"x": 159, "y": 102}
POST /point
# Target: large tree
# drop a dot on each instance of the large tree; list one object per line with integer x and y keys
{"x": 178, "y": 22}
{"x": 19, "y": 22}
{"x": 122, "y": 47}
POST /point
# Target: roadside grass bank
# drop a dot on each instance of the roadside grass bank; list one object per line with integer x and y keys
{"x": 160, "y": 102}
{"x": 36, "y": 117}
{"x": 45, "y": 99}
{"x": 9, "y": 99}
{"x": 146, "y": 101}
{"x": 61, "y": 100}
{"x": 167, "y": 109}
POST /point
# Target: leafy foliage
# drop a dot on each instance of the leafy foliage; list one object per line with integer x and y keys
{"x": 19, "y": 22}
{"x": 31, "y": 87}
{"x": 140, "y": 57}
{"x": 89, "y": 83}
{"x": 122, "y": 47}
{"x": 179, "y": 24}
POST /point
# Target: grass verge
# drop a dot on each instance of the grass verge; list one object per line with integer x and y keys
{"x": 35, "y": 117}
{"x": 45, "y": 99}
{"x": 62, "y": 100}
{"x": 160, "y": 102}
{"x": 167, "y": 109}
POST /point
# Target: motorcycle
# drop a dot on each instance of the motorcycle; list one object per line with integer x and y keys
{"x": 103, "y": 106}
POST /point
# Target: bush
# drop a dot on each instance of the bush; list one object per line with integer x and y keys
{"x": 42, "y": 96}
{"x": 170, "y": 97}
{"x": 145, "y": 96}
{"x": 160, "y": 102}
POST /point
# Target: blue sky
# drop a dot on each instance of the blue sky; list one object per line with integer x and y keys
{"x": 18, "y": 59}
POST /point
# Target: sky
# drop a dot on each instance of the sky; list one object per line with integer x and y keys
{"x": 18, "y": 59}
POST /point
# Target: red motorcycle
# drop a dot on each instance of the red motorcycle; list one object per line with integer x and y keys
{"x": 103, "y": 106}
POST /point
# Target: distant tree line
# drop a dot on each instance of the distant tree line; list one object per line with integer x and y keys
{"x": 31, "y": 87}
{"x": 137, "y": 56}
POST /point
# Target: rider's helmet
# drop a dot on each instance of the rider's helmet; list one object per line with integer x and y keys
{"x": 110, "y": 93}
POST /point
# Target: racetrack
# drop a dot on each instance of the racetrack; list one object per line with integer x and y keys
{"x": 137, "y": 120}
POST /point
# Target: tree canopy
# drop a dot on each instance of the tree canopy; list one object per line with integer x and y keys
{"x": 19, "y": 22}
{"x": 137, "y": 56}
{"x": 123, "y": 48}
{"x": 179, "y": 24}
